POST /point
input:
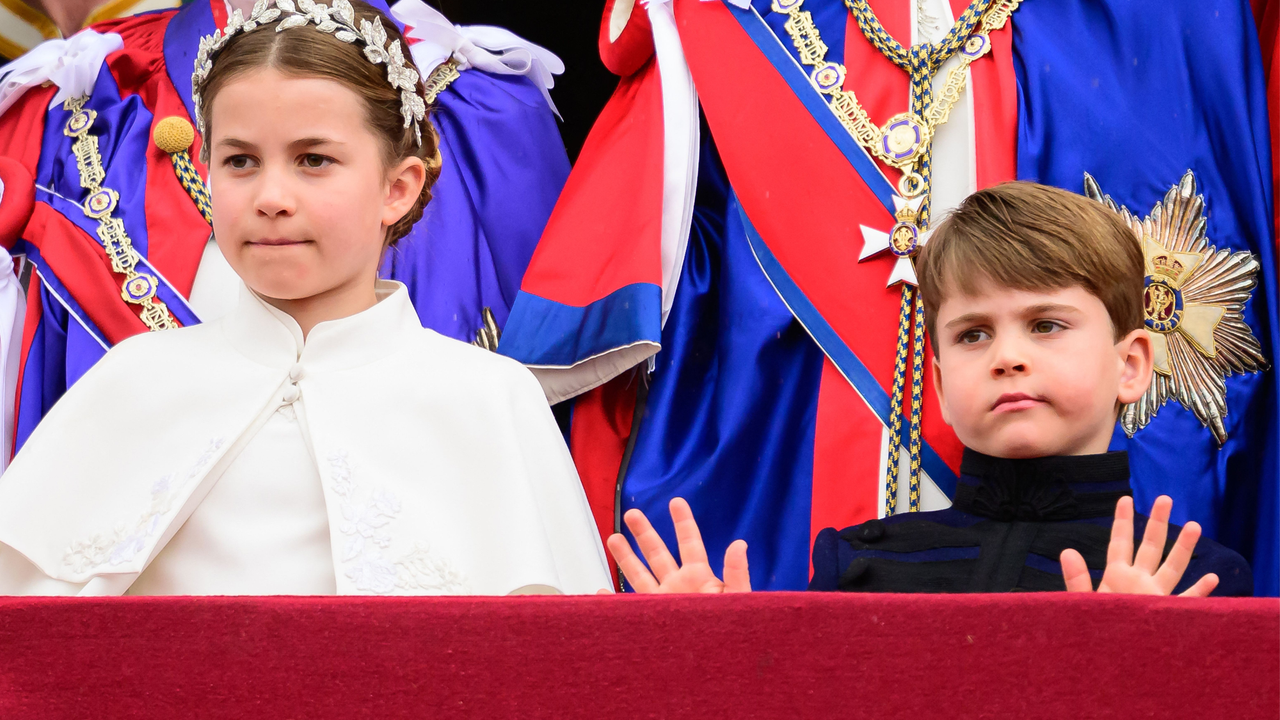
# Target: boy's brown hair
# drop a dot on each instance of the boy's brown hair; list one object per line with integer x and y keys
{"x": 1034, "y": 237}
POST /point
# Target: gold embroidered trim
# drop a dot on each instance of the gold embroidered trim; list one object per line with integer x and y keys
{"x": 138, "y": 288}
{"x": 440, "y": 79}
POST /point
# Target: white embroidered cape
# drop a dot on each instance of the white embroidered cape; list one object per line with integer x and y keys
{"x": 442, "y": 468}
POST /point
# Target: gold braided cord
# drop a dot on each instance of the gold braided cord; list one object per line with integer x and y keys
{"x": 904, "y": 142}
{"x": 895, "y": 403}
{"x": 915, "y": 433}
{"x": 901, "y": 56}
{"x": 926, "y": 58}
{"x": 905, "y": 137}
{"x": 190, "y": 179}
{"x": 138, "y": 288}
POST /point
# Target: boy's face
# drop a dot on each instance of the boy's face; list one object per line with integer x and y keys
{"x": 1034, "y": 373}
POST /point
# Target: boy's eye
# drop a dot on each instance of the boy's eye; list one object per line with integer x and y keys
{"x": 1045, "y": 326}
{"x": 971, "y": 337}
{"x": 314, "y": 161}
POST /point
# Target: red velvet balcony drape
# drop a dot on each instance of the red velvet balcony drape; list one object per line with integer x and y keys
{"x": 775, "y": 655}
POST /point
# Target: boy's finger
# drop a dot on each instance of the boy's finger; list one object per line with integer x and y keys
{"x": 634, "y": 570}
{"x": 1152, "y": 549}
{"x": 1170, "y": 573}
{"x": 736, "y": 576}
{"x": 688, "y": 538}
{"x": 1121, "y": 548}
{"x": 1074, "y": 572}
{"x": 651, "y": 545}
{"x": 1202, "y": 588}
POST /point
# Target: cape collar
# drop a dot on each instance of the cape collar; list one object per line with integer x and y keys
{"x": 270, "y": 337}
{"x": 1043, "y": 489}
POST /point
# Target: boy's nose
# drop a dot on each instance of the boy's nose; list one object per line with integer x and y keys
{"x": 1007, "y": 360}
{"x": 1008, "y": 369}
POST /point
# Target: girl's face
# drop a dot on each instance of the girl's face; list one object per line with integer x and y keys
{"x": 301, "y": 199}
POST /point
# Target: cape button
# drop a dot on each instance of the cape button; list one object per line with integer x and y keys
{"x": 295, "y": 372}
{"x": 291, "y": 394}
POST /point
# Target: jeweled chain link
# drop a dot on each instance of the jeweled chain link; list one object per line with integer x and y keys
{"x": 920, "y": 61}
{"x": 138, "y": 288}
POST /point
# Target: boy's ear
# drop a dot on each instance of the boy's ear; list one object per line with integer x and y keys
{"x": 1137, "y": 354}
{"x": 937, "y": 389}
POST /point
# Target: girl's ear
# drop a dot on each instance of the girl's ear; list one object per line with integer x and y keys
{"x": 404, "y": 185}
{"x": 1136, "y": 355}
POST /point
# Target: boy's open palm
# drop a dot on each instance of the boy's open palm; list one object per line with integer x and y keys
{"x": 1141, "y": 574}
{"x": 668, "y": 575}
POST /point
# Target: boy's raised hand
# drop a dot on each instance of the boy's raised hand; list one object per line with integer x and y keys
{"x": 1141, "y": 574}
{"x": 669, "y": 576}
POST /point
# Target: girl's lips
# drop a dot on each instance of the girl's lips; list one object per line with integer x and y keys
{"x": 276, "y": 242}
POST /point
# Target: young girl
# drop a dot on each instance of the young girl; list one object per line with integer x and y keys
{"x": 317, "y": 440}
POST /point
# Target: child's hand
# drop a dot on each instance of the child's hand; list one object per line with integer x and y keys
{"x": 1141, "y": 574}
{"x": 695, "y": 576}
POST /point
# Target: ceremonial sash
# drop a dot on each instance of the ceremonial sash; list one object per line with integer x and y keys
{"x": 816, "y": 193}
{"x": 804, "y": 215}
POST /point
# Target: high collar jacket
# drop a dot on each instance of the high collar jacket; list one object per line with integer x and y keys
{"x": 1006, "y": 532}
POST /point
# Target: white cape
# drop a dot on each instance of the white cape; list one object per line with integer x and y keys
{"x": 442, "y": 467}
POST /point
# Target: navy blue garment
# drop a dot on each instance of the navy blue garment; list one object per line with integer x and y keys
{"x": 1010, "y": 522}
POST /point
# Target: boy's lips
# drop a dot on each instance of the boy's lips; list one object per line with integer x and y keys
{"x": 1013, "y": 402}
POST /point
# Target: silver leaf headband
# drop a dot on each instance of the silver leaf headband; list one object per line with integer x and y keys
{"x": 339, "y": 21}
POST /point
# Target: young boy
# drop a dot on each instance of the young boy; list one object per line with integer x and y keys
{"x": 1033, "y": 300}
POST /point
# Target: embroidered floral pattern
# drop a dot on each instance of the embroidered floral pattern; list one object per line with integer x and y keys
{"x": 422, "y": 571}
{"x": 126, "y": 541}
{"x": 365, "y": 521}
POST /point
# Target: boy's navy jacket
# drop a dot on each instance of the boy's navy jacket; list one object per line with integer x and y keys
{"x": 1010, "y": 523}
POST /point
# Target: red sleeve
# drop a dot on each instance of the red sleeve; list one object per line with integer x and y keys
{"x": 22, "y": 128}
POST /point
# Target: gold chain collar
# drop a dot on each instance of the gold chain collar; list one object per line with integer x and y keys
{"x": 903, "y": 140}
{"x": 138, "y": 288}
